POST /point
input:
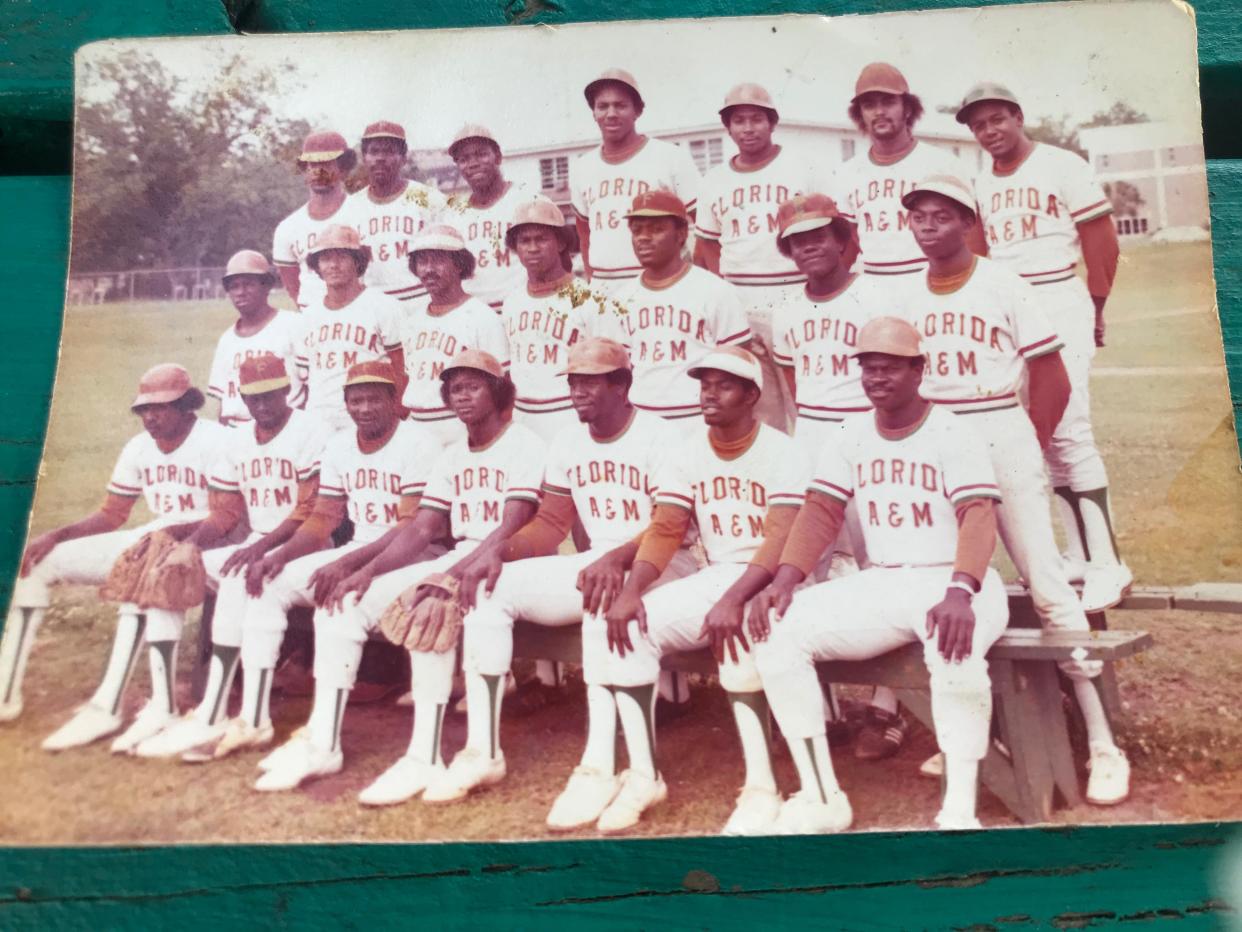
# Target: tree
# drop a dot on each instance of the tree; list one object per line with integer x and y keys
{"x": 1126, "y": 198}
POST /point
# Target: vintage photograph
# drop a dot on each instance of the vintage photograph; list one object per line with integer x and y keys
{"x": 745, "y": 426}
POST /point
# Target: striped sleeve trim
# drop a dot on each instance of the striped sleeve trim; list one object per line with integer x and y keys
{"x": 224, "y": 485}
{"x": 691, "y": 205}
{"x": 831, "y": 488}
{"x": 787, "y": 361}
{"x": 522, "y": 494}
{"x": 740, "y": 337}
{"x": 413, "y": 488}
{"x": 436, "y": 504}
{"x": 308, "y": 472}
{"x": 673, "y": 498}
{"x": 556, "y": 489}
{"x": 125, "y": 491}
{"x": 786, "y": 498}
{"x": 284, "y": 263}
{"x": 215, "y": 391}
{"x": 331, "y": 491}
{"x": 579, "y": 214}
{"x": 1051, "y": 345}
{"x": 706, "y": 234}
{"x": 846, "y": 216}
{"x": 393, "y": 346}
{"x": 1091, "y": 211}
{"x": 976, "y": 490}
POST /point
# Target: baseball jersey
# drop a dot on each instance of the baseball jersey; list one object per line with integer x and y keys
{"x": 472, "y": 486}
{"x": 388, "y": 227}
{"x": 173, "y": 484}
{"x": 333, "y": 340}
{"x": 730, "y": 498}
{"x": 431, "y": 340}
{"x": 497, "y": 270}
{"x": 294, "y": 237}
{"x": 281, "y": 336}
{"x": 907, "y": 491}
{"x": 612, "y": 482}
{"x": 374, "y": 483}
{"x": 869, "y": 194}
{"x": 816, "y": 339}
{"x": 1031, "y": 214}
{"x": 979, "y": 337}
{"x": 603, "y": 191}
{"x": 669, "y": 329}
{"x": 267, "y": 474}
{"x": 737, "y": 209}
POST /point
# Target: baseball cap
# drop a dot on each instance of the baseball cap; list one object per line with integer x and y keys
{"x": 384, "y": 129}
{"x": 733, "y": 360}
{"x": 882, "y": 77}
{"x": 337, "y": 236}
{"x": 474, "y": 359}
{"x": 472, "y": 131}
{"x": 985, "y": 90}
{"x": 323, "y": 146}
{"x": 596, "y": 356}
{"x": 746, "y": 95}
{"x": 891, "y": 336}
{"x": 247, "y": 262}
{"x": 950, "y": 186}
{"x": 162, "y": 384}
{"x": 438, "y": 236}
{"x": 373, "y": 371}
{"x": 658, "y": 203}
{"x": 263, "y": 373}
{"x": 803, "y": 212}
{"x": 615, "y": 76}
{"x": 540, "y": 211}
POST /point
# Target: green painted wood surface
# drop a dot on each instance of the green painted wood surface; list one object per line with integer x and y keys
{"x": 1095, "y": 877}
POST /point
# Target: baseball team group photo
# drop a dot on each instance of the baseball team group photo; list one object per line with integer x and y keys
{"x": 749, "y": 426}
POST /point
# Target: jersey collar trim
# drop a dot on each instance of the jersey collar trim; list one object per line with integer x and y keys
{"x": 886, "y": 160}
{"x": 549, "y": 288}
{"x": 662, "y": 284}
{"x": 619, "y": 434}
{"x": 952, "y": 283}
{"x": 491, "y": 443}
{"x": 743, "y": 170}
{"x": 625, "y": 156}
{"x": 1008, "y": 170}
{"x": 903, "y": 433}
{"x": 833, "y": 295}
{"x": 733, "y": 449}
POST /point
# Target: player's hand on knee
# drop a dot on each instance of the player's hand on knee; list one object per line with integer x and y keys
{"x": 261, "y": 572}
{"x": 723, "y": 629}
{"x": 356, "y": 584}
{"x": 627, "y": 607}
{"x": 323, "y": 581}
{"x": 37, "y": 551}
{"x": 768, "y": 607}
{"x": 952, "y": 622}
{"x": 600, "y": 583}
{"x": 240, "y": 560}
{"x": 483, "y": 570}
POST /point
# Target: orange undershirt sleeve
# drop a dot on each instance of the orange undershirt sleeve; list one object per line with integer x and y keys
{"x": 776, "y": 527}
{"x": 976, "y": 537}
{"x": 408, "y": 507}
{"x": 544, "y": 533}
{"x": 1048, "y": 390}
{"x": 813, "y": 532}
{"x": 1100, "y": 253}
{"x": 307, "y": 490}
{"x": 326, "y": 517}
{"x": 663, "y": 536}
{"x": 117, "y": 508}
{"x": 226, "y": 511}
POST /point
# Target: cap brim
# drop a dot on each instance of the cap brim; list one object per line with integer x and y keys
{"x": 962, "y": 111}
{"x": 653, "y": 212}
{"x": 878, "y": 90}
{"x": 444, "y": 373}
{"x": 810, "y": 223}
{"x": 370, "y": 380}
{"x": 598, "y": 368}
{"x": 437, "y": 243}
{"x": 886, "y": 352}
{"x": 321, "y": 156}
{"x": 944, "y": 191}
{"x": 158, "y": 398}
{"x": 741, "y": 371}
{"x": 384, "y": 136}
{"x": 265, "y": 385}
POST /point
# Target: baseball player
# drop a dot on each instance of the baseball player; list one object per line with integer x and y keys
{"x": 479, "y": 491}
{"x": 349, "y": 324}
{"x": 743, "y": 482}
{"x": 443, "y": 324}
{"x": 484, "y": 216}
{"x": 1043, "y": 212}
{"x": 260, "y": 329}
{"x": 266, "y": 479}
{"x": 923, "y": 484}
{"x": 168, "y": 465}
{"x": 603, "y": 182}
{"x": 736, "y": 221}
{"x": 325, "y": 162}
{"x": 868, "y": 188}
{"x": 390, "y": 211}
{"x": 984, "y": 332}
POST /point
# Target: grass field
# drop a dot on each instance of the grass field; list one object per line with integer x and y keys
{"x": 1163, "y": 421}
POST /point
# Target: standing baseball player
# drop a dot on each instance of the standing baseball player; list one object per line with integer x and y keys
{"x": 168, "y": 466}
{"x": 1043, "y": 212}
{"x": 603, "y": 182}
{"x": 348, "y": 325}
{"x": 267, "y": 478}
{"x": 479, "y": 491}
{"x": 485, "y": 215}
{"x": 442, "y": 325}
{"x": 260, "y": 329}
{"x": 325, "y": 162}
{"x": 985, "y": 333}
{"x": 869, "y": 187}
{"x": 923, "y": 484}
{"x": 390, "y": 211}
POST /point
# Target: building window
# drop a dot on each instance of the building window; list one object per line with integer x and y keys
{"x": 707, "y": 153}
{"x": 847, "y": 149}
{"x": 554, "y": 173}
{"x": 1123, "y": 225}
{"x": 1142, "y": 224}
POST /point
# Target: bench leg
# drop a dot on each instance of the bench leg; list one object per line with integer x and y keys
{"x": 1046, "y": 688}
{"x": 1022, "y": 730}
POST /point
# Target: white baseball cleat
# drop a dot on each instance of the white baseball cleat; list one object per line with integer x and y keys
{"x": 303, "y": 762}
{"x": 932, "y": 767}
{"x": 1109, "y": 780}
{"x": 179, "y": 737}
{"x": 805, "y": 813}
{"x": 9, "y": 711}
{"x": 402, "y": 781}
{"x": 470, "y": 769}
{"x": 957, "y": 821}
{"x": 1105, "y": 586}
{"x": 637, "y": 794}
{"x": 755, "y": 813}
{"x": 292, "y": 746}
{"x": 585, "y": 797}
{"x": 89, "y": 724}
{"x": 148, "y": 723}
{"x": 237, "y": 735}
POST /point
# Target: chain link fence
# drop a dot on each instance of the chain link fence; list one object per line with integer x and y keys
{"x": 186, "y": 284}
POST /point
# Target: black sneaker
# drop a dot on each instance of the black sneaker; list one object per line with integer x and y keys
{"x": 882, "y": 735}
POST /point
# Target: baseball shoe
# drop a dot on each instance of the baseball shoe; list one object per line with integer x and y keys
{"x": 1109, "y": 780}
{"x": 933, "y": 767}
{"x": 882, "y": 735}
{"x": 149, "y": 722}
{"x": 291, "y": 747}
{"x": 470, "y": 769}
{"x": 585, "y": 797}
{"x": 638, "y": 793}
{"x": 89, "y": 724}
{"x": 9, "y": 711}
{"x": 238, "y": 735}
{"x": 179, "y": 737}
{"x": 1105, "y": 586}
{"x": 755, "y": 813}
{"x": 957, "y": 821}
{"x": 302, "y": 763}
{"x": 402, "y": 781}
{"x": 804, "y": 814}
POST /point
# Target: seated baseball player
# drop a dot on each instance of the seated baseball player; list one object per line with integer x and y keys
{"x": 479, "y": 492}
{"x": 925, "y": 491}
{"x": 266, "y": 480}
{"x": 743, "y": 482}
{"x": 168, "y": 466}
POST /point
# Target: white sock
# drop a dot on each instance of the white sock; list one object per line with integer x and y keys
{"x": 121, "y": 659}
{"x": 327, "y": 712}
{"x": 18, "y": 639}
{"x": 256, "y": 710}
{"x": 548, "y": 672}
{"x": 601, "y": 744}
{"x": 961, "y": 781}
{"x": 1093, "y": 715}
{"x": 750, "y": 712}
{"x": 814, "y": 764}
{"x": 162, "y": 656}
{"x": 484, "y": 695}
{"x": 636, "y": 709}
{"x": 220, "y": 670}
{"x": 425, "y": 736}
{"x": 1097, "y": 527}
{"x": 884, "y": 698}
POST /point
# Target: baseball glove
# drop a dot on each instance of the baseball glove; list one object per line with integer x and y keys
{"x": 425, "y": 617}
{"x": 174, "y": 580}
{"x": 127, "y": 572}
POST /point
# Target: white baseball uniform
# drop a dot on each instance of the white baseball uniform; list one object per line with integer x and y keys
{"x": 869, "y": 192}
{"x": 388, "y": 227}
{"x": 281, "y": 337}
{"x": 669, "y": 329}
{"x": 333, "y": 340}
{"x": 602, "y": 191}
{"x": 497, "y": 271}
{"x": 292, "y": 242}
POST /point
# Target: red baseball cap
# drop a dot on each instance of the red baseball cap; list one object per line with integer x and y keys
{"x": 474, "y": 359}
{"x": 373, "y": 371}
{"x": 162, "y": 384}
{"x": 658, "y": 203}
{"x": 263, "y": 373}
